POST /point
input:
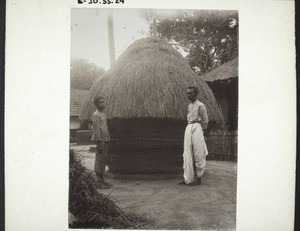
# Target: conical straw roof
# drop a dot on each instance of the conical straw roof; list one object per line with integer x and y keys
{"x": 149, "y": 80}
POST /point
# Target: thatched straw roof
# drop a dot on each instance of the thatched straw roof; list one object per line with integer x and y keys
{"x": 149, "y": 80}
{"x": 225, "y": 71}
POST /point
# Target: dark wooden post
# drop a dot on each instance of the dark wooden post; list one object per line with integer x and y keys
{"x": 111, "y": 39}
{"x": 154, "y": 24}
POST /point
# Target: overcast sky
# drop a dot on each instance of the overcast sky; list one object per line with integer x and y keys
{"x": 89, "y": 38}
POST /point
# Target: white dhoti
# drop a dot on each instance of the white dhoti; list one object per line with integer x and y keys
{"x": 194, "y": 152}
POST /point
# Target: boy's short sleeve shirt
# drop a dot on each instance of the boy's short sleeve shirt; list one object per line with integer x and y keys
{"x": 100, "y": 127}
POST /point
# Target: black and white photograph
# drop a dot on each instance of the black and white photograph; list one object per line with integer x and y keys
{"x": 150, "y": 115}
{"x": 153, "y": 119}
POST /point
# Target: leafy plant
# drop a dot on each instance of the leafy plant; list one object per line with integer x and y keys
{"x": 83, "y": 74}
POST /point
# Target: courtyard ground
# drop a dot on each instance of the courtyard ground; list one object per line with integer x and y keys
{"x": 210, "y": 206}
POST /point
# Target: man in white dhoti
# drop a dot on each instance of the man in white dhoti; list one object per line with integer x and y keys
{"x": 195, "y": 150}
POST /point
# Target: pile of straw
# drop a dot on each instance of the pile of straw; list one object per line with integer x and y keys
{"x": 92, "y": 209}
{"x": 149, "y": 80}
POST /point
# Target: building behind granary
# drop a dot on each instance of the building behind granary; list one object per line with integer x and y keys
{"x": 223, "y": 81}
{"x": 77, "y": 98}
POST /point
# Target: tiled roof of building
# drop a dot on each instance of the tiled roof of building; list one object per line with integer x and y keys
{"x": 226, "y": 71}
{"x": 77, "y": 99}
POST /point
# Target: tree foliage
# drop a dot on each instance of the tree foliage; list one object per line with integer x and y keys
{"x": 209, "y": 37}
{"x": 84, "y": 74}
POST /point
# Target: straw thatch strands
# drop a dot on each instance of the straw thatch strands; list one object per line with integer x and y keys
{"x": 149, "y": 80}
{"x": 147, "y": 104}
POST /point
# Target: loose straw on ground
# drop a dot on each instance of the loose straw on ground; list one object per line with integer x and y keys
{"x": 90, "y": 208}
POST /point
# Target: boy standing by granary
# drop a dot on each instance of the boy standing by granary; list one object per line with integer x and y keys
{"x": 195, "y": 150}
{"x": 100, "y": 137}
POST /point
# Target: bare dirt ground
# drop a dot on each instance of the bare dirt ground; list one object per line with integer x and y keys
{"x": 210, "y": 206}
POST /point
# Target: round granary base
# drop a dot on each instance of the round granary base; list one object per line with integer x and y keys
{"x": 131, "y": 156}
